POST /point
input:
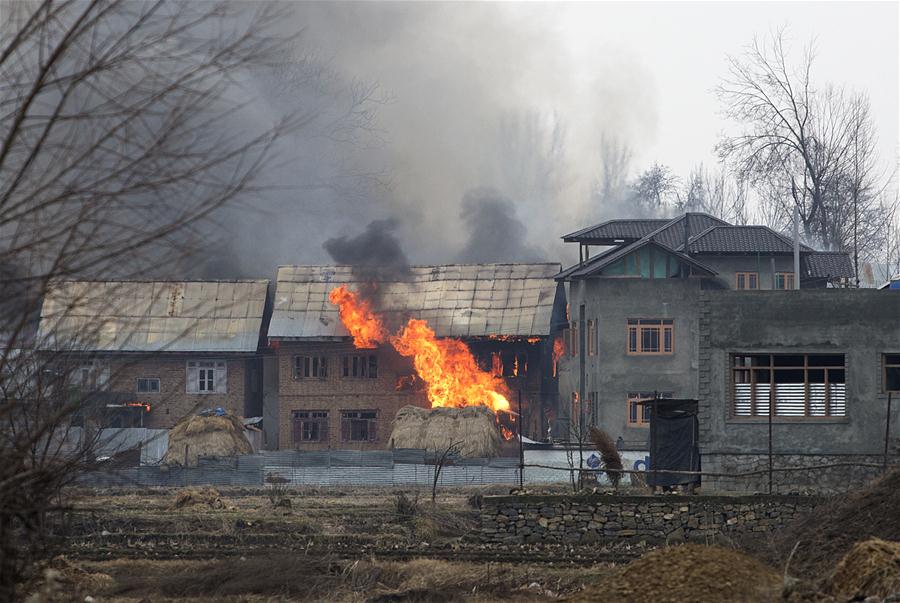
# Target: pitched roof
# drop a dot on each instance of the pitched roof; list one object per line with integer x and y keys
{"x": 827, "y": 264}
{"x": 457, "y": 300}
{"x": 724, "y": 239}
{"x": 598, "y": 263}
{"x": 153, "y": 316}
{"x": 616, "y": 230}
{"x": 672, "y": 234}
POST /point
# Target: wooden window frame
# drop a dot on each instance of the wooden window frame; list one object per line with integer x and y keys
{"x": 788, "y": 281}
{"x": 592, "y": 337}
{"x": 641, "y": 409}
{"x": 885, "y": 365}
{"x": 747, "y": 276}
{"x": 193, "y": 375}
{"x": 371, "y": 425}
{"x": 573, "y": 338}
{"x": 771, "y": 367}
{"x": 309, "y": 366}
{"x": 299, "y": 423}
{"x": 639, "y": 325}
{"x": 137, "y": 385}
{"x": 359, "y": 366}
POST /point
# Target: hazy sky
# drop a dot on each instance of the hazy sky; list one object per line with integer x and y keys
{"x": 643, "y": 73}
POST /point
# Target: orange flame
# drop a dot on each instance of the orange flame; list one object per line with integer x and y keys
{"x": 357, "y": 315}
{"x": 451, "y": 375}
{"x": 506, "y": 433}
{"x": 559, "y": 350}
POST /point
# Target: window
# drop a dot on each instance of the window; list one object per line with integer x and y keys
{"x": 594, "y": 403}
{"x": 639, "y": 414}
{"x": 147, "y": 385}
{"x": 310, "y": 426}
{"x": 358, "y": 425}
{"x": 360, "y": 366}
{"x": 891, "y": 380}
{"x": 92, "y": 375}
{"x": 746, "y": 280}
{"x": 310, "y": 367}
{"x": 784, "y": 280}
{"x": 801, "y": 385}
{"x": 592, "y": 337}
{"x": 515, "y": 364}
{"x": 650, "y": 336}
{"x": 573, "y": 338}
{"x": 206, "y": 377}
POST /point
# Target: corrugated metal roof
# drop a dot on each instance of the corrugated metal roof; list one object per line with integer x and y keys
{"x": 144, "y": 316}
{"x": 457, "y": 300}
{"x": 598, "y": 263}
{"x": 672, "y": 234}
{"x": 827, "y": 264}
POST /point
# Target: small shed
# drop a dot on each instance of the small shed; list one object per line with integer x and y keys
{"x": 674, "y": 441}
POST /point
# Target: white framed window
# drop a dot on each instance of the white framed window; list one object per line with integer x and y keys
{"x": 148, "y": 385}
{"x": 207, "y": 377}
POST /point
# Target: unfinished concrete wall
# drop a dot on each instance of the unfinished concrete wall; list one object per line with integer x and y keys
{"x": 612, "y": 373}
{"x": 861, "y": 324}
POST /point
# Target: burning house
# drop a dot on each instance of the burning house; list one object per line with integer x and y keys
{"x": 351, "y": 352}
{"x": 148, "y": 353}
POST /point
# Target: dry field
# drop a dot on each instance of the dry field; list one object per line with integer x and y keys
{"x": 350, "y": 544}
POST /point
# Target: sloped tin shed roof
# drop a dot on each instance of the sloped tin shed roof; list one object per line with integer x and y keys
{"x": 465, "y": 300}
{"x": 148, "y": 316}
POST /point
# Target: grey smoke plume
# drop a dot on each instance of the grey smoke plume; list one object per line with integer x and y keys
{"x": 376, "y": 252}
{"x": 496, "y": 234}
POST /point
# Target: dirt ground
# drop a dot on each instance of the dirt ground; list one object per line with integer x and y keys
{"x": 336, "y": 544}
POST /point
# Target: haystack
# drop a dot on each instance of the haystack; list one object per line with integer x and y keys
{"x": 474, "y": 428}
{"x": 871, "y": 568}
{"x": 212, "y": 436}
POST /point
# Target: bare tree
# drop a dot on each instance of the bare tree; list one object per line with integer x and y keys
{"x": 715, "y": 193}
{"x": 123, "y": 128}
{"x": 799, "y": 144}
{"x": 442, "y": 457}
{"x": 615, "y": 162}
{"x": 657, "y": 189}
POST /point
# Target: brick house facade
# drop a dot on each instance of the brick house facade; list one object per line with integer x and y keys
{"x": 327, "y": 396}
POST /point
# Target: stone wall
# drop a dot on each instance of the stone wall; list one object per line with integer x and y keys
{"x": 592, "y": 518}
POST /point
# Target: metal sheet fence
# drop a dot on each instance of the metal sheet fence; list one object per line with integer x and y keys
{"x": 320, "y": 468}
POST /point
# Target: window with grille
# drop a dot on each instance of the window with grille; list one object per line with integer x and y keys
{"x": 594, "y": 404}
{"x": 310, "y": 426}
{"x": 310, "y": 367}
{"x": 891, "y": 370}
{"x": 639, "y": 414}
{"x": 573, "y": 338}
{"x": 146, "y": 385}
{"x": 514, "y": 364}
{"x": 207, "y": 377}
{"x": 746, "y": 280}
{"x": 358, "y": 366}
{"x": 359, "y": 425}
{"x": 798, "y": 385}
{"x": 784, "y": 280}
{"x": 651, "y": 336}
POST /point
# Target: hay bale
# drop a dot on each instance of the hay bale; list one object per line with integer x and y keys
{"x": 474, "y": 427}
{"x": 871, "y": 568}
{"x": 195, "y": 436}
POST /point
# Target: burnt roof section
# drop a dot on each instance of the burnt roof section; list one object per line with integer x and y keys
{"x": 153, "y": 316}
{"x": 827, "y": 264}
{"x": 598, "y": 263}
{"x": 457, "y": 300}
{"x": 737, "y": 240}
{"x": 614, "y": 232}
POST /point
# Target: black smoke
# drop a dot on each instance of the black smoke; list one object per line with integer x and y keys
{"x": 375, "y": 253}
{"x": 495, "y": 232}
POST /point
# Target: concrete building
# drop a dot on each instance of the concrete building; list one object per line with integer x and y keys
{"x": 151, "y": 352}
{"x": 333, "y": 395}
{"x": 635, "y": 309}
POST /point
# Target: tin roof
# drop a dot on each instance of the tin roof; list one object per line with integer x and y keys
{"x": 616, "y": 230}
{"x": 742, "y": 240}
{"x": 148, "y": 316}
{"x": 827, "y": 264}
{"x": 457, "y": 300}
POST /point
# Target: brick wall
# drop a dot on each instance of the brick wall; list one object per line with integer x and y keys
{"x": 173, "y": 402}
